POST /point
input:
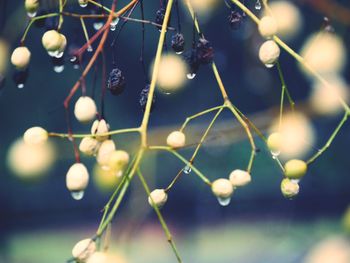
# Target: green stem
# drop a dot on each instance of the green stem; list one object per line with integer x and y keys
{"x": 284, "y": 87}
{"x": 330, "y": 140}
{"x": 65, "y": 135}
{"x": 86, "y": 35}
{"x": 61, "y": 16}
{"x": 160, "y": 217}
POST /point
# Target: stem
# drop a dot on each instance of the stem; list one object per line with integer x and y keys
{"x": 85, "y": 32}
{"x": 65, "y": 135}
{"x": 160, "y": 217}
{"x": 284, "y": 86}
{"x": 179, "y": 156}
{"x": 330, "y": 140}
{"x": 61, "y": 16}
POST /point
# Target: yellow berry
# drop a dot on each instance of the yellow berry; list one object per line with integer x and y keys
{"x": 267, "y": 27}
{"x": 103, "y": 154}
{"x": 222, "y": 188}
{"x": 158, "y": 197}
{"x": 118, "y": 160}
{"x": 289, "y": 188}
{"x": 35, "y": 136}
{"x": 176, "y": 139}
{"x": 85, "y": 109}
{"x": 20, "y": 57}
{"x": 274, "y": 142}
{"x": 269, "y": 53}
{"x": 295, "y": 169}
{"x": 240, "y": 178}
{"x": 83, "y": 250}
{"x": 52, "y": 40}
{"x": 31, "y": 6}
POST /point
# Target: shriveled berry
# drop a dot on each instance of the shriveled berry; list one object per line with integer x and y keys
{"x": 144, "y": 96}
{"x": 235, "y": 20}
{"x": 20, "y": 77}
{"x": 116, "y": 82}
{"x": 205, "y": 52}
{"x": 178, "y": 43}
{"x": 160, "y": 17}
{"x": 192, "y": 61}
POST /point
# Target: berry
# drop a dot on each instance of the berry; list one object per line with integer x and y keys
{"x": 192, "y": 61}
{"x": 274, "y": 142}
{"x": 205, "y": 52}
{"x": 158, "y": 197}
{"x": 295, "y": 169}
{"x": 176, "y": 139}
{"x": 20, "y": 57}
{"x": 35, "y": 136}
{"x": 267, "y": 27}
{"x": 222, "y": 188}
{"x": 240, "y": 178}
{"x": 83, "y": 250}
{"x": 160, "y": 17}
{"x": 269, "y": 53}
{"x": 144, "y": 96}
{"x": 289, "y": 188}
{"x": 235, "y": 20}
{"x": 85, "y": 109}
{"x": 31, "y": 6}
{"x": 77, "y": 177}
{"x": 116, "y": 82}
{"x": 118, "y": 160}
{"x": 53, "y": 41}
{"x": 100, "y": 127}
{"x": 89, "y": 146}
{"x": 178, "y": 43}
{"x": 103, "y": 154}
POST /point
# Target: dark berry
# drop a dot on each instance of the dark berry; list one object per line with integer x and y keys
{"x": 235, "y": 20}
{"x": 20, "y": 77}
{"x": 192, "y": 61}
{"x": 144, "y": 96}
{"x": 205, "y": 52}
{"x": 178, "y": 42}
{"x": 160, "y": 17}
{"x": 116, "y": 82}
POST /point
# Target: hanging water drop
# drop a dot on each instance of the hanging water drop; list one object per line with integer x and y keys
{"x": 187, "y": 169}
{"x": 296, "y": 181}
{"x": 112, "y": 27}
{"x": 77, "y": 195}
{"x": 83, "y": 4}
{"x": 275, "y": 153}
{"x": 191, "y": 75}
{"x": 89, "y": 49}
{"x": 31, "y": 14}
{"x": 224, "y": 201}
{"x": 269, "y": 65}
{"x": 59, "y": 54}
{"x": 53, "y": 53}
{"x": 20, "y": 85}
{"x": 98, "y": 25}
{"x": 179, "y": 53}
{"x": 257, "y": 5}
{"x": 58, "y": 69}
{"x": 73, "y": 59}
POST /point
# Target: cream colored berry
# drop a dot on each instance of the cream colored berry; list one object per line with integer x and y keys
{"x": 77, "y": 177}
{"x": 267, "y": 27}
{"x": 83, "y": 250}
{"x": 63, "y": 43}
{"x": 222, "y": 188}
{"x": 176, "y": 139}
{"x": 274, "y": 142}
{"x": 289, "y": 188}
{"x": 31, "y": 6}
{"x": 98, "y": 257}
{"x": 159, "y": 198}
{"x": 240, "y": 178}
{"x": 118, "y": 160}
{"x": 20, "y": 57}
{"x": 295, "y": 169}
{"x": 52, "y": 40}
{"x": 103, "y": 154}
{"x": 35, "y": 136}
{"x": 85, "y": 109}
{"x": 100, "y": 127}
{"x": 89, "y": 146}
{"x": 269, "y": 53}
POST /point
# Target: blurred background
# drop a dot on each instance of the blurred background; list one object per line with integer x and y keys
{"x": 40, "y": 222}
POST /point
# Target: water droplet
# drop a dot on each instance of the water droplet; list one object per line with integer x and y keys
{"x": 31, "y": 14}
{"x": 275, "y": 153}
{"x": 296, "y": 181}
{"x": 119, "y": 173}
{"x": 83, "y": 4}
{"x": 20, "y": 85}
{"x": 179, "y": 53}
{"x": 98, "y": 25}
{"x": 257, "y": 5}
{"x": 115, "y": 22}
{"x": 53, "y": 53}
{"x": 112, "y": 27}
{"x": 76, "y": 66}
{"x": 89, "y": 49}
{"x": 191, "y": 75}
{"x": 269, "y": 65}
{"x": 187, "y": 169}
{"x": 58, "y": 69}
{"x": 73, "y": 59}
{"x": 224, "y": 201}
{"x": 77, "y": 195}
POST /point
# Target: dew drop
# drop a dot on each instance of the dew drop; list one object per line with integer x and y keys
{"x": 53, "y": 53}
{"x": 275, "y": 153}
{"x": 269, "y": 65}
{"x": 112, "y": 27}
{"x": 20, "y": 85}
{"x": 73, "y": 59}
{"x": 296, "y": 181}
{"x": 191, "y": 75}
{"x": 31, "y": 14}
{"x": 58, "y": 69}
{"x": 257, "y": 5}
{"x": 179, "y": 53}
{"x": 98, "y": 25}
{"x": 224, "y": 201}
{"x": 77, "y": 195}
{"x": 59, "y": 54}
{"x": 76, "y": 66}
{"x": 187, "y": 169}
{"x": 83, "y": 4}
{"x": 89, "y": 49}
{"x": 115, "y": 22}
